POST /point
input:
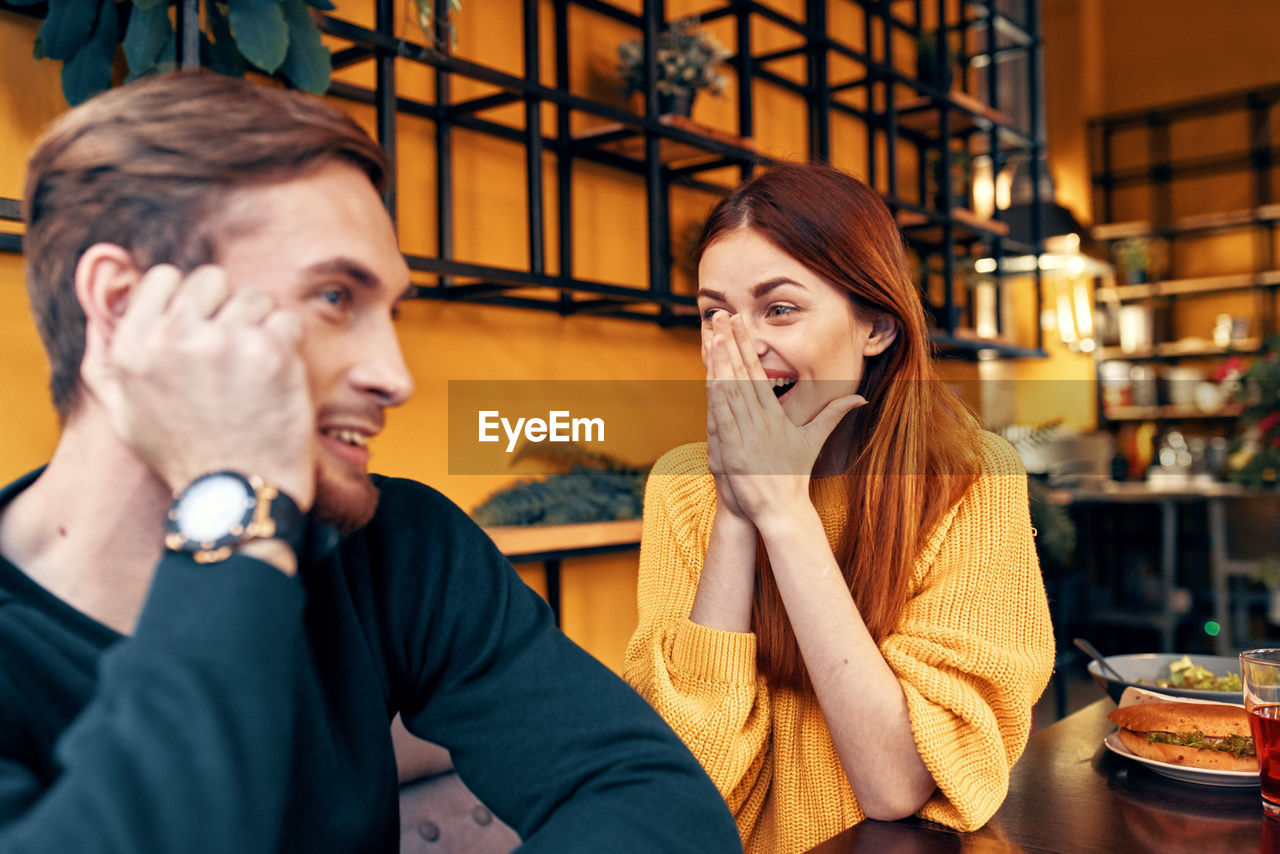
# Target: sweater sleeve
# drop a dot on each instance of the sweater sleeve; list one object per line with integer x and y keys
{"x": 703, "y": 681}
{"x": 184, "y": 743}
{"x": 560, "y": 748}
{"x": 974, "y": 649}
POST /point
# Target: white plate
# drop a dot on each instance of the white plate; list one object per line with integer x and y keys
{"x": 1202, "y": 776}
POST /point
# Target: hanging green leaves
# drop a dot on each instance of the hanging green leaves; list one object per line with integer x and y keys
{"x": 260, "y": 32}
{"x": 89, "y": 70}
{"x": 272, "y": 36}
{"x": 67, "y": 28}
{"x": 148, "y": 33}
{"x": 217, "y": 47}
{"x": 308, "y": 62}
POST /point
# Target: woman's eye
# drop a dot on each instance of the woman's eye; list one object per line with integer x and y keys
{"x": 708, "y": 313}
{"x": 779, "y": 310}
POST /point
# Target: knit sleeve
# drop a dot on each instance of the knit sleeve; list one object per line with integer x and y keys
{"x": 703, "y": 681}
{"x": 974, "y": 648}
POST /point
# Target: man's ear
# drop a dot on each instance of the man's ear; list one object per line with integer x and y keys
{"x": 884, "y": 329}
{"x": 105, "y": 278}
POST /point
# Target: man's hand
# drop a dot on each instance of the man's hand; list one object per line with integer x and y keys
{"x": 195, "y": 378}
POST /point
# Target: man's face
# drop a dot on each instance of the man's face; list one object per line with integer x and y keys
{"x": 323, "y": 246}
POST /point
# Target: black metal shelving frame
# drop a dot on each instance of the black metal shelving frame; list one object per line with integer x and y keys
{"x": 1255, "y": 156}
{"x": 992, "y": 30}
{"x": 10, "y": 209}
{"x": 947, "y": 245}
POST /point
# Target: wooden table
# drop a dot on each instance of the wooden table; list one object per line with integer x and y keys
{"x": 1070, "y": 794}
{"x": 550, "y": 544}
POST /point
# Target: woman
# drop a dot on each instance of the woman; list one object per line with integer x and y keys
{"x": 841, "y": 611}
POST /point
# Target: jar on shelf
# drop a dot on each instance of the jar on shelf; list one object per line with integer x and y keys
{"x": 1117, "y": 388}
{"x": 1137, "y": 328}
{"x": 1146, "y": 392}
{"x": 1180, "y": 384}
{"x": 1228, "y": 330}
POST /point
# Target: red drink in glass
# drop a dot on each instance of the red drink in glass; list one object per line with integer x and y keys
{"x": 1265, "y": 723}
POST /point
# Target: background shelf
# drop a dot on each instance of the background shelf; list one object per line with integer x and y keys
{"x": 989, "y": 105}
{"x": 1154, "y": 203}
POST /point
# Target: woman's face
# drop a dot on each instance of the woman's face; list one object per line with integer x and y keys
{"x": 809, "y": 339}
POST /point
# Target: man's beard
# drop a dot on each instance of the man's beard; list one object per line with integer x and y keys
{"x": 347, "y": 503}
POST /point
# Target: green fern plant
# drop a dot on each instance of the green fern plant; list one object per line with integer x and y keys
{"x": 1267, "y": 572}
{"x": 1255, "y": 457}
{"x": 591, "y": 488}
{"x": 1055, "y": 529}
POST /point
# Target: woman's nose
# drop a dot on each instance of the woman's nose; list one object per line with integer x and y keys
{"x": 759, "y": 335}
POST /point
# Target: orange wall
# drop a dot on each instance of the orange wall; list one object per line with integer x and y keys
{"x": 1105, "y": 56}
{"x": 1092, "y": 65}
{"x": 441, "y": 341}
{"x": 29, "y": 97}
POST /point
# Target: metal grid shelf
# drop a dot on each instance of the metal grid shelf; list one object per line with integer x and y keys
{"x": 664, "y": 152}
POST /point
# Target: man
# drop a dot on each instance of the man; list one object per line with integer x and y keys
{"x": 216, "y": 672}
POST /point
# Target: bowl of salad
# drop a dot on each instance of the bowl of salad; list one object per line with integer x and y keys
{"x": 1203, "y": 677}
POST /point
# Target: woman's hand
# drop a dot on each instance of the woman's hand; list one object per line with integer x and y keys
{"x": 761, "y": 461}
{"x": 726, "y": 501}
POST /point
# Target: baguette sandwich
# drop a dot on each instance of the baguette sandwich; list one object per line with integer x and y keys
{"x": 1198, "y": 735}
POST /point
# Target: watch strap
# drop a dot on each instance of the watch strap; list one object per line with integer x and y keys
{"x": 276, "y": 516}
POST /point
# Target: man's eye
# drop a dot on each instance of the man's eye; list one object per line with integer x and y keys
{"x": 338, "y": 297}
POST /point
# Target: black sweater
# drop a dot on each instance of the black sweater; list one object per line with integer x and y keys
{"x": 249, "y": 710}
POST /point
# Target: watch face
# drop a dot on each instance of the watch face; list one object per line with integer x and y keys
{"x": 214, "y": 507}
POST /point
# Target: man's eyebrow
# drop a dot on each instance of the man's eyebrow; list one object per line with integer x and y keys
{"x": 756, "y": 292}
{"x": 347, "y": 268}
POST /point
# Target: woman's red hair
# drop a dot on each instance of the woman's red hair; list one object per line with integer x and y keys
{"x": 914, "y": 447}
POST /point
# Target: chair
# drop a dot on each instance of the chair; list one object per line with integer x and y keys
{"x": 438, "y": 813}
{"x": 1243, "y": 530}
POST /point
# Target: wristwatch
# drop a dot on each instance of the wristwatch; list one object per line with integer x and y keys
{"x": 218, "y": 511}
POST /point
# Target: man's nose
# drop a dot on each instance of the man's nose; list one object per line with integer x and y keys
{"x": 383, "y": 372}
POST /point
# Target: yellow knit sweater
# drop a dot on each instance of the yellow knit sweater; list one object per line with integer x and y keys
{"x": 973, "y": 651}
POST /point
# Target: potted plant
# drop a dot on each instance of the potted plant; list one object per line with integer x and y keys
{"x": 1135, "y": 256}
{"x": 431, "y": 23}
{"x": 1267, "y": 574}
{"x": 960, "y": 178}
{"x": 937, "y": 58}
{"x": 1255, "y": 457}
{"x": 687, "y": 59}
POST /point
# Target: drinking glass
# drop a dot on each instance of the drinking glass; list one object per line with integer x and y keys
{"x": 1260, "y": 673}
